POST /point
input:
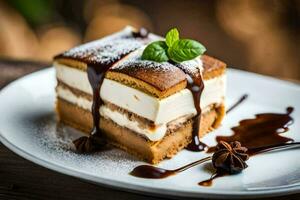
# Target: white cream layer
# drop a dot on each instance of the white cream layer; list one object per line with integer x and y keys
{"x": 159, "y": 111}
{"x": 119, "y": 118}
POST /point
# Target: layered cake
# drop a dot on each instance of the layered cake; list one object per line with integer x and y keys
{"x": 149, "y": 109}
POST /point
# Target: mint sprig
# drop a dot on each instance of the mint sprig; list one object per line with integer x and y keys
{"x": 185, "y": 49}
{"x": 156, "y": 51}
{"x": 172, "y": 36}
{"x": 173, "y": 48}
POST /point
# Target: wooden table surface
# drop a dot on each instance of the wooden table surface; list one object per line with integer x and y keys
{"x": 22, "y": 179}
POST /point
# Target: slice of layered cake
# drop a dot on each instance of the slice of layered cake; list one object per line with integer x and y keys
{"x": 150, "y": 109}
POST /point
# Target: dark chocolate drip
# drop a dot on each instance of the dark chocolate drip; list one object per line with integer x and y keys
{"x": 209, "y": 182}
{"x": 241, "y": 100}
{"x": 275, "y": 147}
{"x": 96, "y": 140}
{"x": 96, "y": 73}
{"x": 263, "y": 130}
{"x": 196, "y": 86}
{"x": 141, "y": 33}
{"x": 96, "y": 76}
{"x": 148, "y": 171}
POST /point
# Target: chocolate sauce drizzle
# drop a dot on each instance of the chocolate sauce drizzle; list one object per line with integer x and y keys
{"x": 274, "y": 147}
{"x": 96, "y": 140}
{"x": 264, "y": 130}
{"x": 96, "y": 73}
{"x": 196, "y": 86}
{"x": 260, "y": 135}
{"x": 241, "y": 100}
{"x": 141, "y": 33}
{"x": 152, "y": 172}
{"x": 148, "y": 171}
{"x": 209, "y": 182}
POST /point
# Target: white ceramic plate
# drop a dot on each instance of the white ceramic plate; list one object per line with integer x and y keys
{"x": 28, "y": 127}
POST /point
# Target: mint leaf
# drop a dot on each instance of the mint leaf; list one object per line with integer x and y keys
{"x": 172, "y": 36}
{"x": 185, "y": 49}
{"x": 156, "y": 51}
{"x": 173, "y": 48}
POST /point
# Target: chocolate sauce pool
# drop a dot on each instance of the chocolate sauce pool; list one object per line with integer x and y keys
{"x": 259, "y": 135}
{"x": 209, "y": 182}
{"x": 263, "y": 130}
{"x": 148, "y": 171}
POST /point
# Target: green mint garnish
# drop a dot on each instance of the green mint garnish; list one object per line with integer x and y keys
{"x": 185, "y": 49}
{"x": 172, "y": 36}
{"x": 156, "y": 51}
{"x": 173, "y": 48}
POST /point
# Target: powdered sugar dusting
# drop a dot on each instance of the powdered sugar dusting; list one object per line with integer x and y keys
{"x": 105, "y": 53}
{"x": 193, "y": 67}
{"x": 134, "y": 61}
{"x": 135, "y": 64}
{"x": 106, "y": 50}
{"x": 56, "y": 143}
{"x": 125, "y": 51}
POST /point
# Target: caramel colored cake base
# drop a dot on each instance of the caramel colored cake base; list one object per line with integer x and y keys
{"x": 152, "y": 152}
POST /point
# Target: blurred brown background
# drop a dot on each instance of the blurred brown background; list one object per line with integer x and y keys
{"x": 255, "y": 35}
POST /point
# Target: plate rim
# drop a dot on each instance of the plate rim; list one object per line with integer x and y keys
{"x": 136, "y": 188}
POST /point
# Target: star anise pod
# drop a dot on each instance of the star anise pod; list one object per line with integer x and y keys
{"x": 89, "y": 144}
{"x": 230, "y": 158}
